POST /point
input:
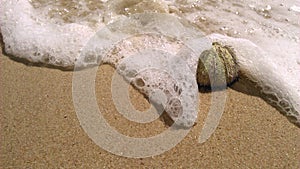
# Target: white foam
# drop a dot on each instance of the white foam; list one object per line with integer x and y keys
{"x": 28, "y": 34}
{"x": 279, "y": 84}
{"x": 295, "y": 8}
{"x": 274, "y": 64}
{"x": 155, "y": 70}
{"x": 153, "y": 58}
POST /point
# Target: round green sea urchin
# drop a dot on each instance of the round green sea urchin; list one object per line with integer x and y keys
{"x": 214, "y": 64}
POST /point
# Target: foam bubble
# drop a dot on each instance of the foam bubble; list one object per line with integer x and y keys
{"x": 153, "y": 58}
{"x": 117, "y": 8}
{"x": 27, "y": 34}
{"x": 277, "y": 85}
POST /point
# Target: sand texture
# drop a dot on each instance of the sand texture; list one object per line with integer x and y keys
{"x": 40, "y": 129}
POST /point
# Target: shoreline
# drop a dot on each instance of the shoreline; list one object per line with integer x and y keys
{"x": 39, "y": 127}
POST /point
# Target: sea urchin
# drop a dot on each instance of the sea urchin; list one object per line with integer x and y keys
{"x": 217, "y": 65}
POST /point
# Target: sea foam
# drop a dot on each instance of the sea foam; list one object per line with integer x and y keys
{"x": 28, "y": 34}
{"x": 273, "y": 62}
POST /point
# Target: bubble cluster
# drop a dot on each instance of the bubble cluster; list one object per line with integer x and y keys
{"x": 56, "y": 32}
{"x": 257, "y": 67}
{"x": 146, "y": 62}
{"x": 117, "y": 8}
{"x": 154, "y": 53}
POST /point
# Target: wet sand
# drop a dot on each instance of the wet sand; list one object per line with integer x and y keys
{"x": 40, "y": 129}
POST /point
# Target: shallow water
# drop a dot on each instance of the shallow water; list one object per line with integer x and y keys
{"x": 272, "y": 25}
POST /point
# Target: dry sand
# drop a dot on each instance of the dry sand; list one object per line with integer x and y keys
{"x": 40, "y": 129}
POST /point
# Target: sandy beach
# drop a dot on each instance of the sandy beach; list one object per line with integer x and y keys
{"x": 40, "y": 129}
